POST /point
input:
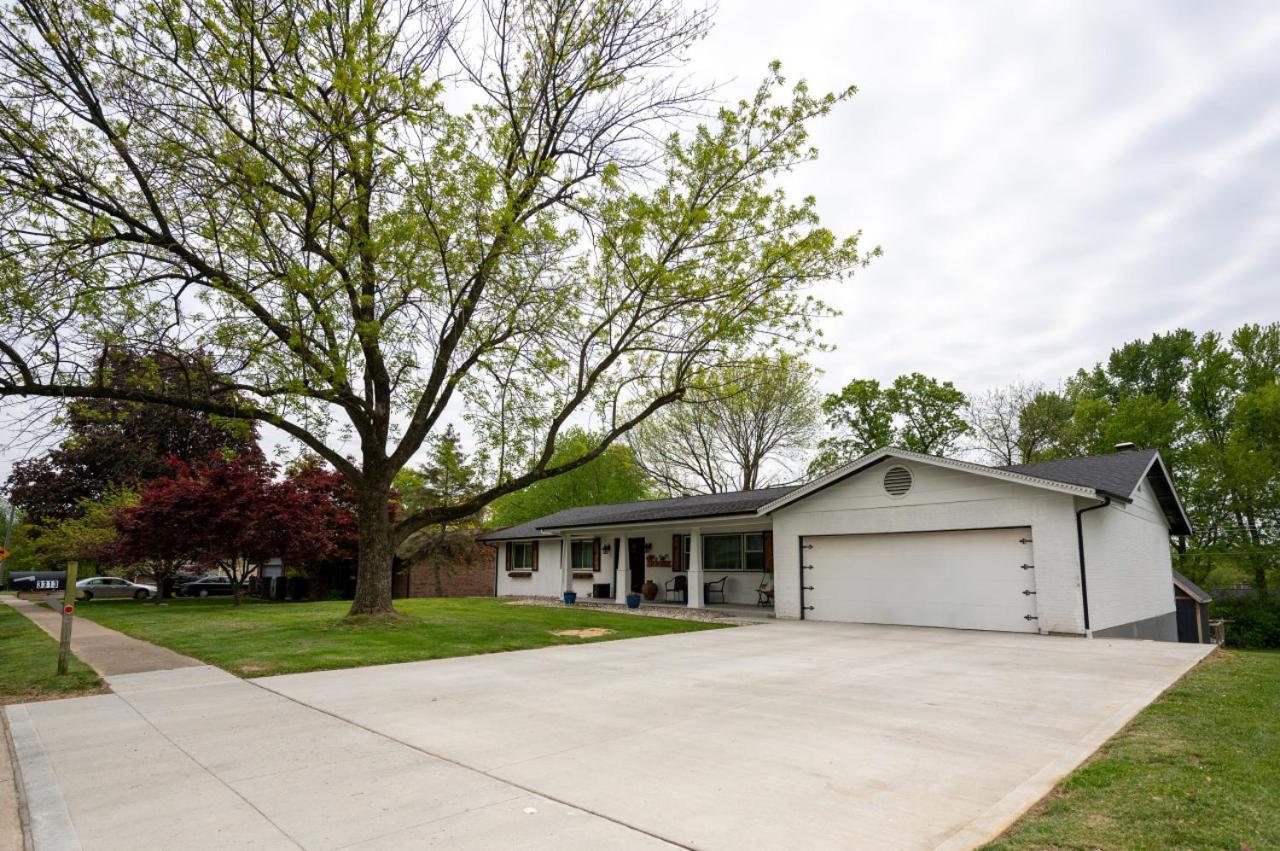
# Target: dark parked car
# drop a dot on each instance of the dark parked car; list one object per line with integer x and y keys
{"x": 206, "y": 586}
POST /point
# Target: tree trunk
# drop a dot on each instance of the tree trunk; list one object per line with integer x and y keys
{"x": 373, "y": 574}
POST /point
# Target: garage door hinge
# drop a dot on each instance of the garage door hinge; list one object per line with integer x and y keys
{"x": 807, "y": 608}
{"x": 1024, "y": 541}
{"x": 1028, "y": 567}
{"x": 1027, "y": 593}
{"x": 806, "y": 567}
{"x": 1030, "y": 618}
{"x": 807, "y": 587}
{"x": 806, "y": 546}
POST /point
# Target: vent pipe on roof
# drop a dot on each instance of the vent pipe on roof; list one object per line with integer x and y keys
{"x": 1127, "y": 446}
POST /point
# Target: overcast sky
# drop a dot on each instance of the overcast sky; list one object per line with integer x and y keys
{"x": 1047, "y": 180}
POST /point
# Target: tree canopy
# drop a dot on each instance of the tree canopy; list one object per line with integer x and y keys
{"x": 111, "y": 445}
{"x": 916, "y": 412}
{"x": 300, "y": 193}
{"x": 749, "y": 426}
{"x": 612, "y": 476}
{"x": 231, "y": 515}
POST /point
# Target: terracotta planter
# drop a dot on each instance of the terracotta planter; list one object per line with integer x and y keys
{"x": 649, "y": 589}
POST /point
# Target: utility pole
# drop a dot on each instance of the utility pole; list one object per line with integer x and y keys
{"x": 68, "y": 609}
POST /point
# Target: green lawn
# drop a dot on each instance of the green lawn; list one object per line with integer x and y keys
{"x": 1199, "y": 768}
{"x": 259, "y": 639}
{"x": 29, "y": 664}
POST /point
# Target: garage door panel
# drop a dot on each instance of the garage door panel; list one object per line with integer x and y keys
{"x": 968, "y": 580}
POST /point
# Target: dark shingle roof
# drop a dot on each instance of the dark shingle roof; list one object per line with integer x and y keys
{"x": 678, "y": 508}
{"x": 1117, "y": 474}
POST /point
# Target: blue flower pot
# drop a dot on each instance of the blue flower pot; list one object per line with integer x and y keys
{"x": 570, "y": 597}
{"x": 633, "y": 601}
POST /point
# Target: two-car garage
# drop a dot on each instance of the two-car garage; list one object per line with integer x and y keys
{"x": 966, "y": 579}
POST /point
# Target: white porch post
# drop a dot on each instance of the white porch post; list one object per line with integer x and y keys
{"x": 624, "y": 571}
{"x": 566, "y": 573}
{"x": 695, "y": 568}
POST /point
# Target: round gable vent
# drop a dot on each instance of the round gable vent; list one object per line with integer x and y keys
{"x": 897, "y": 481}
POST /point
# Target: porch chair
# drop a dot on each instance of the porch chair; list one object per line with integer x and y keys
{"x": 764, "y": 594}
{"x": 711, "y": 588}
{"x": 678, "y": 585}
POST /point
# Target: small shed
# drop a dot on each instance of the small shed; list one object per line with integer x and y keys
{"x": 1192, "y": 603}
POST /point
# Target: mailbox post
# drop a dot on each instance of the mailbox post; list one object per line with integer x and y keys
{"x": 68, "y": 610}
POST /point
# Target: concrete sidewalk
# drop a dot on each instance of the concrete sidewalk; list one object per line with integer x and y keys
{"x": 195, "y": 758}
{"x": 108, "y": 652}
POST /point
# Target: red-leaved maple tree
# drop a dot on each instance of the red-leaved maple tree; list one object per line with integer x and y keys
{"x": 232, "y": 515}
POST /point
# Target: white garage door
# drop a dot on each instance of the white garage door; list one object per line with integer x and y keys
{"x": 967, "y": 580}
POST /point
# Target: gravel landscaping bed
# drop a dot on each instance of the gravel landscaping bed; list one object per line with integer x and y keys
{"x": 677, "y": 614}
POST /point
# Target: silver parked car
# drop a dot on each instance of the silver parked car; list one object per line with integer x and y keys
{"x": 112, "y": 587}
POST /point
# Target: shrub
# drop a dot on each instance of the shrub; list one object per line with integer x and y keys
{"x": 1254, "y": 621}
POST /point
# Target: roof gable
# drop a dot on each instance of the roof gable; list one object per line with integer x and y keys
{"x": 1118, "y": 474}
{"x": 880, "y": 455}
{"x": 1191, "y": 589}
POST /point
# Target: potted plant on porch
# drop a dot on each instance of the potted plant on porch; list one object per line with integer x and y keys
{"x": 633, "y": 600}
{"x": 649, "y": 589}
{"x": 570, "y": 597}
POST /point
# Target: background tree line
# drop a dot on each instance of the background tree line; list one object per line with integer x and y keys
{"x": 1210, "y": 403}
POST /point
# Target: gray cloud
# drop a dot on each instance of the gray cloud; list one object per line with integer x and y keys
{"x": 1048, "y": 180}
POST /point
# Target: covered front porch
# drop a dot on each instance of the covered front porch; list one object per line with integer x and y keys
{"x": 725, "y": 564}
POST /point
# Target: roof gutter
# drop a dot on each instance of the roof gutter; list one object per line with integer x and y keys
{"x": 1084, "y": 581}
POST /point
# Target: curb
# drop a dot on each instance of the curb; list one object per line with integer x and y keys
{"x": 46, "y": 823}
{"x": 19, "y": 794}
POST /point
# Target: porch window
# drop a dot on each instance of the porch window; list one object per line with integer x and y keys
{"x": 729, "y": 553}
{"x": 581, "y": 557}
{"x": 753, "y": 544}
{"x": 521, "y": 556}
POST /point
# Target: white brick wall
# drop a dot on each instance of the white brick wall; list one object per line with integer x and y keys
{"x": 940, "y": 499}
{"x": 1130, "y": 569}
{"x": 544, "y": 582}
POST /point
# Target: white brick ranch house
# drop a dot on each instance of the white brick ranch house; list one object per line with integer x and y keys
{"x": 1077, "y": 546}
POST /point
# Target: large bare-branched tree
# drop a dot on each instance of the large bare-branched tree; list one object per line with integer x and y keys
{"x": 749, "y": 426}
{"x": 298, "y": 191}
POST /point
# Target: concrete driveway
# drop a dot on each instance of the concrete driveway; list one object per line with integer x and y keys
{"x": 783, "y": 735}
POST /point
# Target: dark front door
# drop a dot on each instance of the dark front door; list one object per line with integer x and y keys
{"x": 635, "y": 561}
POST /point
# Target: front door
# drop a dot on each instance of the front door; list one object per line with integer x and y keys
{"x": 635, "y": 561}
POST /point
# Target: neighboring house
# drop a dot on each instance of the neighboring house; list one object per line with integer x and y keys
{"x": 455, "y": 565}
{"x": 1077, "y": 546}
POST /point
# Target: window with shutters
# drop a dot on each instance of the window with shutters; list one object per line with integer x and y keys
{"x": 521, "y": 556}
{"x": 581, "y": 556}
